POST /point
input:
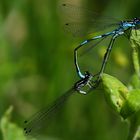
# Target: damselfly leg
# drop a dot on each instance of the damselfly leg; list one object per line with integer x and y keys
{"x": 82, "y": 45}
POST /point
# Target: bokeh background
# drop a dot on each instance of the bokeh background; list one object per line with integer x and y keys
{"x": 36, "y": 67}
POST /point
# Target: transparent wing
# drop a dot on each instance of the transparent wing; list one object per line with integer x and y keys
{"x": 80, "y": 21}
{"x": 79, "y": 29}
{"x": 41, "y": 118}
{"x": 76, "y": 12}
{"x": 91, "y": 46}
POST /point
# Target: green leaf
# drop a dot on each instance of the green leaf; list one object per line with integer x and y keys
{"x": 123, "y": 101}
{"x": 135, "y": 43}
{"x": 10, "y": 131}
{"x": 115, "y": 92}
{"x": 134, "y": 82}
{"x": 132, "y": 104}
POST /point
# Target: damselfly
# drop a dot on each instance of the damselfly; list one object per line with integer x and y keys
{"x": 83, "y": 86}
{"x": 119, "y": 28}
{"x": 87, "y": 81}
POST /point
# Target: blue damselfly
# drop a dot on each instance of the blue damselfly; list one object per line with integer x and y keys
{"x": 120, "y": 28}
{"x": 87, "y": 81}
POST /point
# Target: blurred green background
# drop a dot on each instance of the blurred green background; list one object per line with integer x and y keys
{"x": 36, "y": 67}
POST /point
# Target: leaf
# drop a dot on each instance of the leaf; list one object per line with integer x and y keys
{"x": 134, "y": 82}
{"x": 115, "y": 92}
{"x": 132, "y": 104}
{"x": 10, "y": 131}
{"x": 123, "y": 101}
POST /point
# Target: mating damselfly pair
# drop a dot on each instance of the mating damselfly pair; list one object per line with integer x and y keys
{"x": 87, "y": 80}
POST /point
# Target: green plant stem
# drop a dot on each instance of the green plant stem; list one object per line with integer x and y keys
{"x": 135, "y": 36}
{"x": 134, "y": 127}
{"x": 137, "y": 135}
{"x": 134, "y": 131}
{"x": 135, "y": 57}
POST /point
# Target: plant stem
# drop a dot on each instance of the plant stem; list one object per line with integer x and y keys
{"x": 136, "y": 61}
{"x": 134, "y": 131}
